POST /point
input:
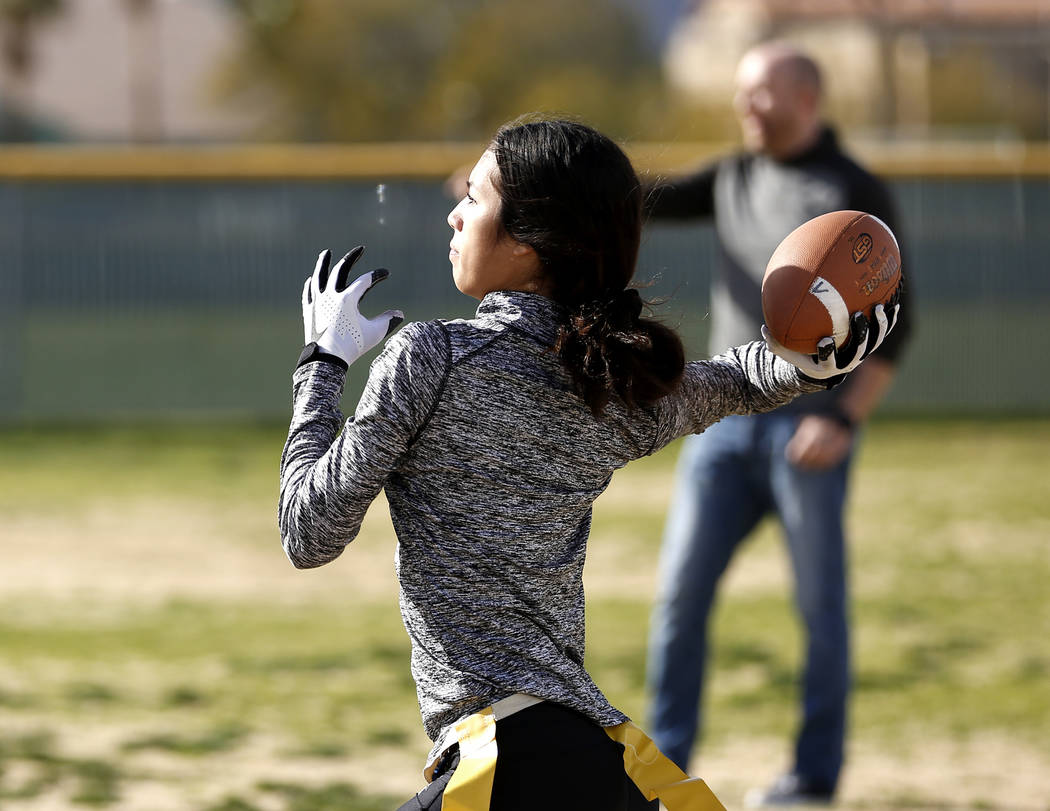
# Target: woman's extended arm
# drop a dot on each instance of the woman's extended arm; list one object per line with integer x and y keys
{"x": 747, "y": 379}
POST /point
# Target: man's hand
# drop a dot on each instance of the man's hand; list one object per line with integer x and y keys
{"x": 330, "y": 308}
{"x": 819, "y": 443}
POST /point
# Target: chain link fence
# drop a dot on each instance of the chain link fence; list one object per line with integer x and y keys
{"x": 155, "y": 298}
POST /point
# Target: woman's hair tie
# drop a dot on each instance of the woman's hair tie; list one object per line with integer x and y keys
{"x": 629, "y": 301}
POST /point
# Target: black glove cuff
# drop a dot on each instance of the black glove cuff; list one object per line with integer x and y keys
{"x": 826, "y": 382}
{"x": 312, "y": 352}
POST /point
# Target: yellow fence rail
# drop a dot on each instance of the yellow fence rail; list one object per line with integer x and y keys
{"x": 400, "y": 160}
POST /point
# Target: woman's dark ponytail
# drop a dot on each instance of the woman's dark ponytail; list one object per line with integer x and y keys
{"x": 608, "y": 347}
{"x": 572, "y": 195}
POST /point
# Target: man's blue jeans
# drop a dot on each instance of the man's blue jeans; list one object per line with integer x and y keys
{"x": 729, "y": 477}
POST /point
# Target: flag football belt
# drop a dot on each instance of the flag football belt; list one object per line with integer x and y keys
{"x": 470, "y": 788}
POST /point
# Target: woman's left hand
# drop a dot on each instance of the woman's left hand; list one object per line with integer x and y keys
{"x": 331, "y": 317}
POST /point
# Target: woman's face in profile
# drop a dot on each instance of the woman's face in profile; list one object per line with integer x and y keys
{"x": 484, "y": 258}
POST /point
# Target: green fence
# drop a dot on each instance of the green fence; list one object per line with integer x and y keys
{"x": 141, "y": 298}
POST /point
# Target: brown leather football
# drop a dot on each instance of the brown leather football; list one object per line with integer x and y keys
{"x": 823, "y": 272}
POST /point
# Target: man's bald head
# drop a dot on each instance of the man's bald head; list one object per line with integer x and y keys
{"x": 778, "y": 97}
{"x": 783, "y": 56}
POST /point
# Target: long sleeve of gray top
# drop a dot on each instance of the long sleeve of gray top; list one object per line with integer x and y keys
{"x": 491, "y": 463}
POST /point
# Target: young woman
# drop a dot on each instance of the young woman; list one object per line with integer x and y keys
{"x": 492, "y": 438}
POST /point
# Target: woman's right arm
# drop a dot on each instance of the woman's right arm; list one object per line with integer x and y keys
{"x": 328, "y": 478}
{"x": 748, "y": 379}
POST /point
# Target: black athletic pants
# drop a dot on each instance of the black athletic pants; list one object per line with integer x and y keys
{"x": 550, "y": 758}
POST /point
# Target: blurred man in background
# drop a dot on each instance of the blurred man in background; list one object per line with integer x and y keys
{"x": 794, "y": 461}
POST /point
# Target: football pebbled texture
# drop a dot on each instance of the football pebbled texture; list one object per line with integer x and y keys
{"x": 824, "y": 271}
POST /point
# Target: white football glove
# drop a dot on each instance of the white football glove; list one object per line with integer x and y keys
{"x": 831, "y": 361}
{"x": 330, "y": 308}
{"x": 312, "y": 319}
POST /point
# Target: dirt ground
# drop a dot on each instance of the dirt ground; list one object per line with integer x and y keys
{"x": 161, "y": 549}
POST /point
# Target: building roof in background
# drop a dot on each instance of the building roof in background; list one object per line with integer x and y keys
{"x": 85, "y": 67}
{"x": 966, "y": 12}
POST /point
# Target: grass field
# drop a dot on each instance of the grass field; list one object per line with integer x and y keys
{"x": 158, "y": 652}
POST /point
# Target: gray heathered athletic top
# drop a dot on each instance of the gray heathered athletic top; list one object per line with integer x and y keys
{"x": 490, "y": 463}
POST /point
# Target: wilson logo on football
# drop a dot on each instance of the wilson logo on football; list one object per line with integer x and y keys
{"x": 861, "y": 248}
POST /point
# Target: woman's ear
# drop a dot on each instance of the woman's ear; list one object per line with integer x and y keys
{"x": 532, "y": 275}
{"x": 525, "y": 256}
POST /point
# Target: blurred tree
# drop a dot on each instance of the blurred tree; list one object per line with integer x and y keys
{"x": 586, "y": 58}
{"x": 408, "y": 69}
{"x": 18, "y": 19}
{"x": 978, "y": 91}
